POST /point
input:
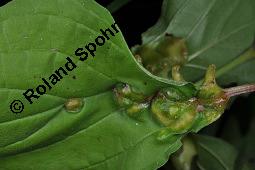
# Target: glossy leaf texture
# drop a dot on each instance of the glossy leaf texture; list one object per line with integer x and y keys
{"x": 216, "y": 32}
{"x": 36, "y": 38}
{"x": 214, "y": 154}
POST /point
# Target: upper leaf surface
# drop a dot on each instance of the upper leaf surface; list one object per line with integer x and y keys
{"x": 36, "y": 38}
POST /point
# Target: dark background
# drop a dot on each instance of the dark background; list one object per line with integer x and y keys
{"x": 135, "y": 17}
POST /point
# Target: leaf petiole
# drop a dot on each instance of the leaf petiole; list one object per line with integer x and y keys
{"x": 234, "y": 91}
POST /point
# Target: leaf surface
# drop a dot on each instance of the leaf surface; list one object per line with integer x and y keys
{"x": 36, "y": 38}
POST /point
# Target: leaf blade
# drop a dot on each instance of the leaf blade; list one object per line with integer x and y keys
{"x": 40, "y": 37}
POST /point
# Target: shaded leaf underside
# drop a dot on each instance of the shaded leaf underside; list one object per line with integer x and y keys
{"x": 216, "y": 32}
{"x": 215, "y": 154}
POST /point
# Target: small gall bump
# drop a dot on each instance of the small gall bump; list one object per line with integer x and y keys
{"x": 200, "y": 108}
{"x": 176, "y": 75}
{"x": 74, "y": 104}
{"x": 139, "y": 59}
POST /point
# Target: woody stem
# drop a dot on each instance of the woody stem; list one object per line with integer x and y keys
{"x": 234, "y": 91}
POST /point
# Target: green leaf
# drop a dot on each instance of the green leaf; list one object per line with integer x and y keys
{"x": 216, "y": 32}
{"x": 36, "y": 38}
{"x": 214, "y": 154}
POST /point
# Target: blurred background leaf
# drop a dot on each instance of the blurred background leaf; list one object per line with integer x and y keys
{"x": 215, "y": 34}
{"x": 214, "y": 154}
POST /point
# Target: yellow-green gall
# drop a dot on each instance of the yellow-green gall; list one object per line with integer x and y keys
{"x": 73, "y": 104}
